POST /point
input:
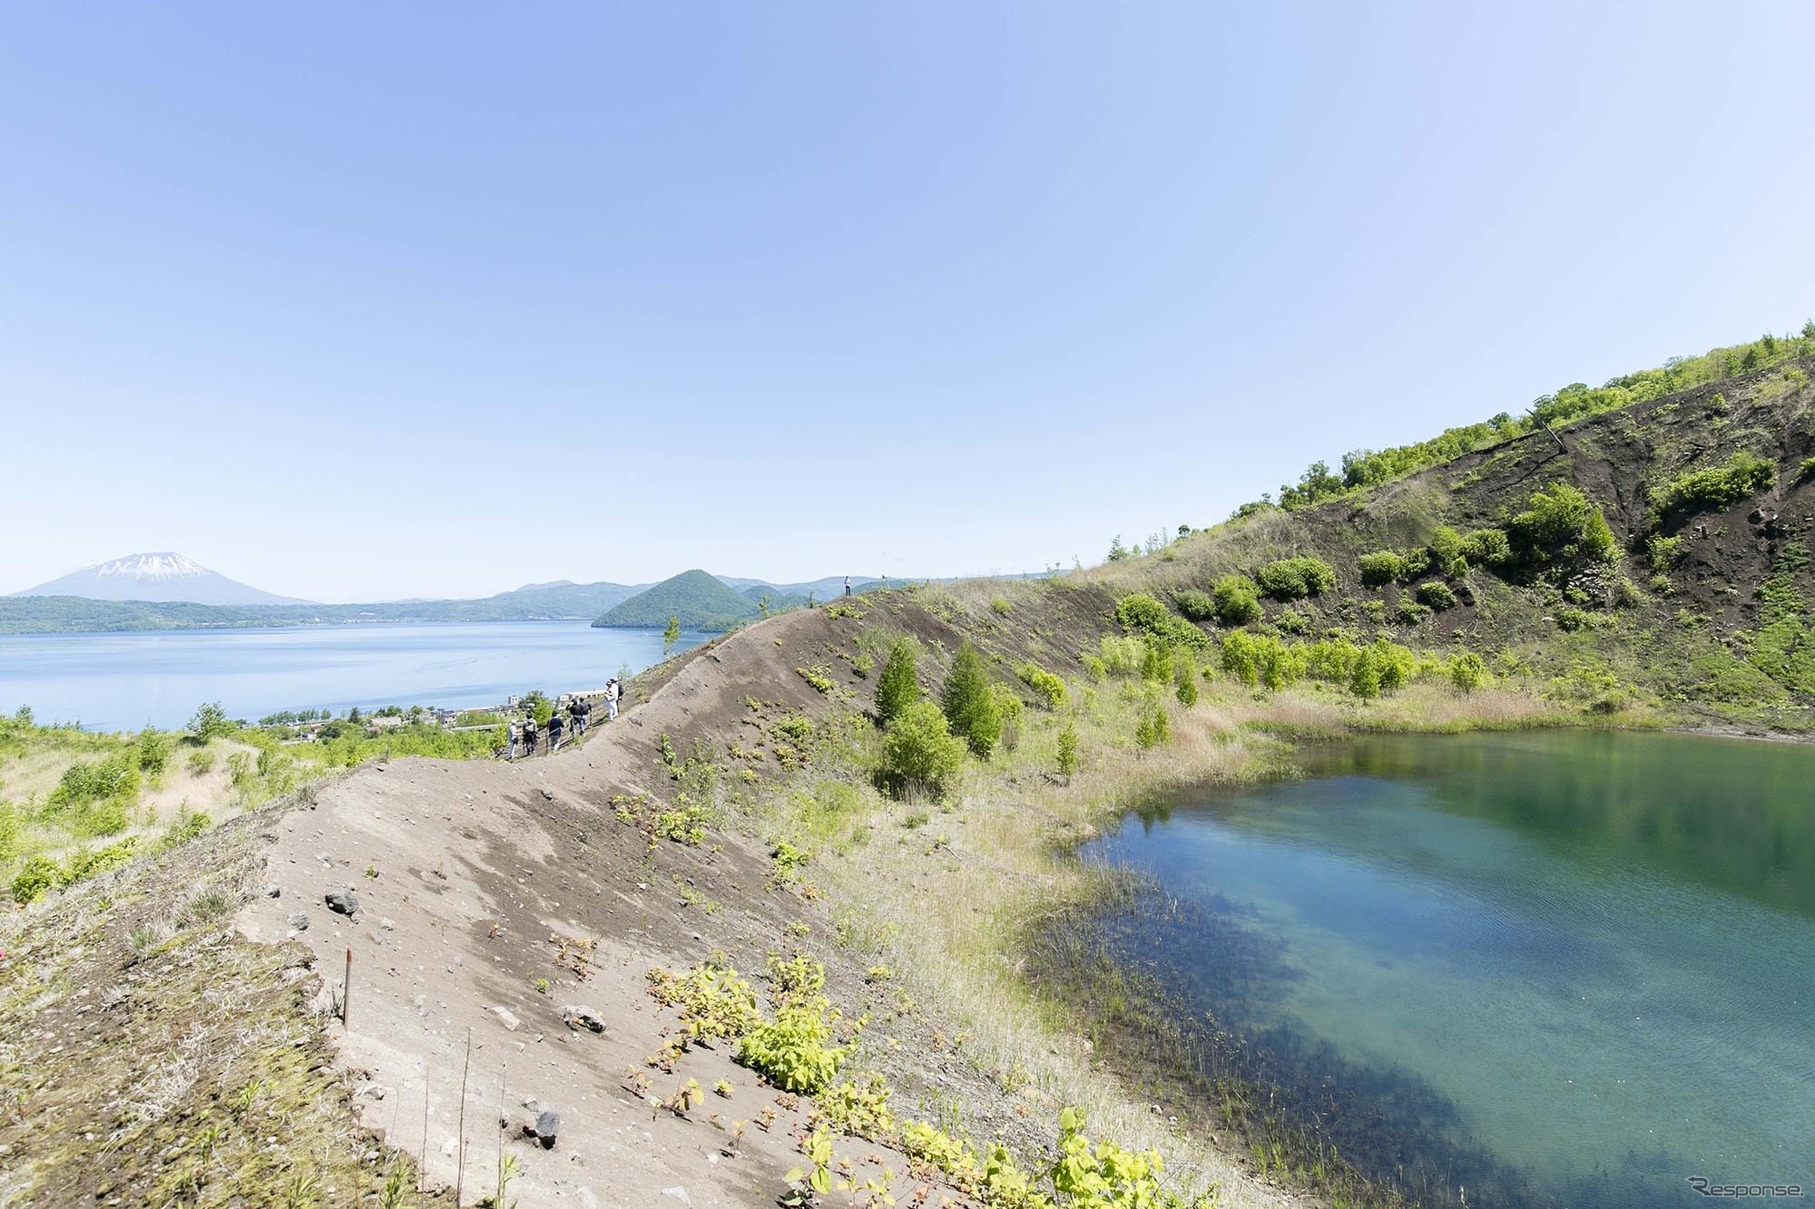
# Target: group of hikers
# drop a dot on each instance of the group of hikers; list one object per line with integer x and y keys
{"x": 570, "y": 718}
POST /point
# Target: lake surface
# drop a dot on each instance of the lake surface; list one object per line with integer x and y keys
{"x": 1566, "y": 968}
{"x": 124, "y": 681}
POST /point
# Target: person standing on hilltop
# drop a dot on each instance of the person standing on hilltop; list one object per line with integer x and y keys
{"x": 847, "y": 585}
{"x": 515, "y": 737}
{"x": 577, "y": 709}
{"x": 529, "y": 734}
{"x": 611, "y": 699}
{"x": 555, "y": 726}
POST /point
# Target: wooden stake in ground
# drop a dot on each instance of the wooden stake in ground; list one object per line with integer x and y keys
{"x": 460, "y": 1150}
{"x": 346, "y": 991}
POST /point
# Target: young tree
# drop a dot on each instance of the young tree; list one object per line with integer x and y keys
{"x": 1068, "y": 751}
{"x": 1185, "y": 683}
{"x": 670, "y": 636}
{"x": 209, "y": 721}
{"x": 969, "y": 705}
{"x": 919, "y": 751}
{"x": 899, "y": 685}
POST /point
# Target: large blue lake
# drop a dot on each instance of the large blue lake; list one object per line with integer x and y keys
{"x": 124, "y": 681}
{"x": 1567, "y": 969}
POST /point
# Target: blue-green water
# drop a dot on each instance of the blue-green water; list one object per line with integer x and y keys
{"x": 1593, "y": 953}
{"x": 124, "y": 681}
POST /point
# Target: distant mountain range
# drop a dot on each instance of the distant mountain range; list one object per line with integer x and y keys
{"x": 166, "y": 591}
{"x": 160, "y": 577}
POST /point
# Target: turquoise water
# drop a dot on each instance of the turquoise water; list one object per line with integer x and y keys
{"x": 1587, "y": 959}
{"x": 124, "y": 681}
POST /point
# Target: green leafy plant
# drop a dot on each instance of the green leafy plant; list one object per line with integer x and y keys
{"x": 1047, "y": 687}
{"x": 1067, "y": 759}
{"x": 1295, "y": 578}
{"x": 970, "y": 707}
{"x": 1741, "y": 475}
{"x": 919, "y": 751}
{"x": 1237, "y": 600}
{"x": 899, "y": 684}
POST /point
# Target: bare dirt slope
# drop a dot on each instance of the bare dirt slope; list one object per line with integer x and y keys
{"x": 496, "y": 901}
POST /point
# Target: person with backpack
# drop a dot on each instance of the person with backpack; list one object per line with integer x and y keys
{"x": 515, "y": 737}
{"x": 612, "y": 692}
{"x": 529, "y": 735}
{"x": 581, "y": 709}
{"x": 555, "y": 726}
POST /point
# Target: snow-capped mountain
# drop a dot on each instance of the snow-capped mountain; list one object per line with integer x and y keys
{"x": 156, "y": 577}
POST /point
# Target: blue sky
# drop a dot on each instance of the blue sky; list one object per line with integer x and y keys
{"x": 353, "y": 302}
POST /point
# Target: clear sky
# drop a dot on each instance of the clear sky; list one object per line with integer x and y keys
{"x": 366, "y": 301}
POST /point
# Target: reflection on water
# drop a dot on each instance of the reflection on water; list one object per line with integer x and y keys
{"x": 1565, "y": 968}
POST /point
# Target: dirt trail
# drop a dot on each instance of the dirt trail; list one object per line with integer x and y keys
{"x": 468, "y": 878}
{"x": 493, "y": 897}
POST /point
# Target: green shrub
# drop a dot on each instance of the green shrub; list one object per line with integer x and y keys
{"x": 1806, "y": 470}
{"x": 1121, "y": 656}
{"x": 1487, "y": 548}
{"x": 1410, "y": 612}
{"x": 1467, "y": 671}
{"x": 1237, "y": 600}
{"x": 1561, "y": 527}
{"x": 1143, "y": 614}
{"x": 970, "y": 707}
{"x": 1741, "y": 475}
{"x": 1139, "y": 611}
{"x": 899, "y": 685}
{"x": 201, "y": 763}
{"x": 1154, "y": 727}
{"x": 36, "y": 876}
{"x": 793, "y": 1052}
{"x": 1570, "y": 619}
{"x": 9, "y": 832}
{"x": 1291, "y": 621}
{"x": 1436, "y": 594}
{"x": 1068, "y": 751}
{"x": 1050, "y": 689}
{"x": 1201, "y": 606}
{"x": 918, "y": 749}
{"x": 1156, "y": 661}
{"x": 153, "y": 752}
{"x": 209, "y": 721}
{"x": 1295, "y": 578}
{"x": 1445, "y": 546}
{"x": 1184, "y": 679}
{"x": 1382, "y": 567}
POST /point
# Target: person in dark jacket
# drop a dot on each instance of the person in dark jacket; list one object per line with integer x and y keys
{"x": 555, "y": 725}
{"x": 529, "y": 735}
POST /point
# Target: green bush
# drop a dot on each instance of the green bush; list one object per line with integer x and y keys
{"x": 1121, "y": 656}
{"x": 1382, "y": 567}
{"x": 1156, "y": 661}
{"x": 1068, "y": 751}
{"x": 1184, "y": 679}
{"x": 1154, "y": 727}
{"x": 1139, "y": 611}
{"x": 1561, "y": 527}
{"x": 1143, "y": 614}
{"x": 1237, "y": 600}
{"x": 1050, "y": 689}
{"x": 1467, "y": 671}
{"x": 209, "y": 721}
{"x": 793, "y": 1052}
{"x": 1806, "y": 470}
{"x": 970, "y": 707}
{"x": 34, "y": 878}
{"x": 1742, "y": 474}
{"x": 153, "y": 752}
{"x": 918, "y": 749}
{"x": 1201, "y": 606}
{"x": 899, "y": 685}
{"x": 1445, "y": 546}
{"x": 1436, "y": 594}
{"x": 1295, "y": 578}
{"x": 1487, "y": 548}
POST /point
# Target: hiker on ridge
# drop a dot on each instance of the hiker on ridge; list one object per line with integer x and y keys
{"x": 555, "y": 725}
{"x": 612, "y": 692}
{"x": 529, "y": 735}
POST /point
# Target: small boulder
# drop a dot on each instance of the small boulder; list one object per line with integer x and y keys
{"x": 507, "y": 1017}
{"x": 548, "y": 1126}
{"x": 342, "y": 901}
{"x": 580, "y": 1016}
{"x": 274, "y": 891}
{"x": 299, "y": 921}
